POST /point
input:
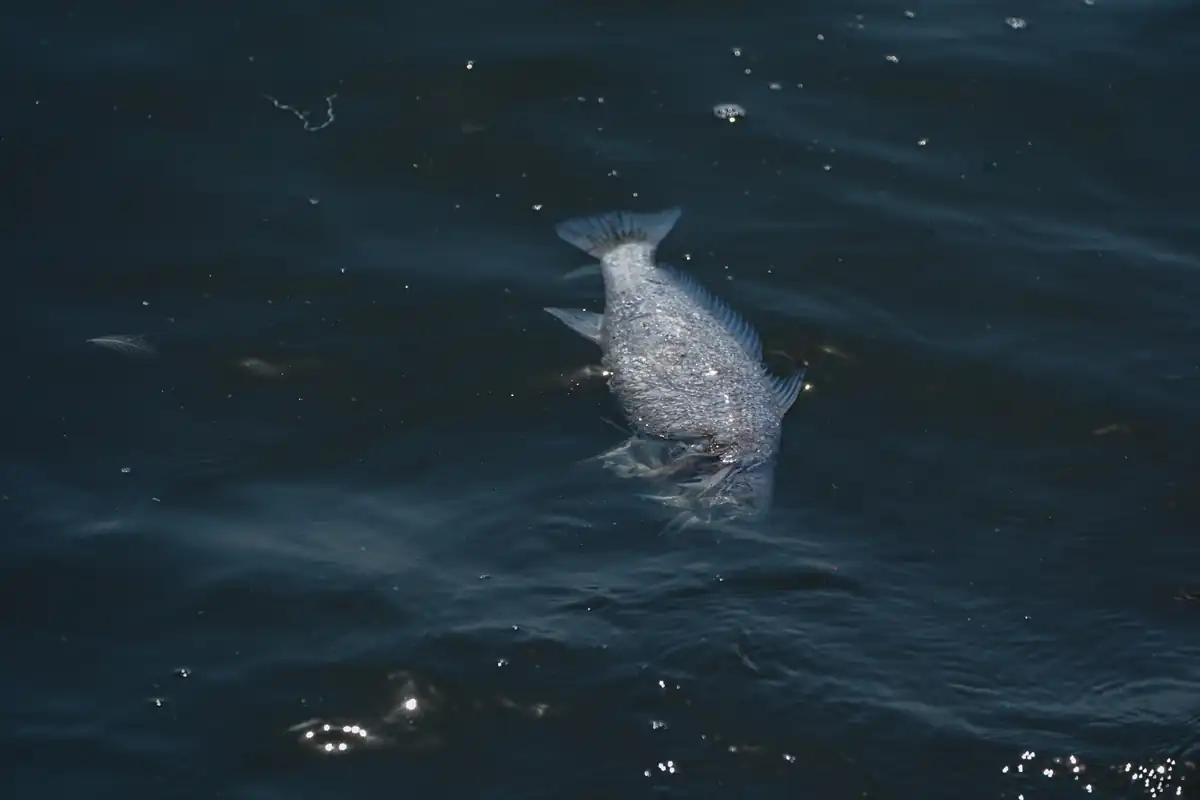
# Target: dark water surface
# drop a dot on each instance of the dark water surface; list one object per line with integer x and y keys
{"x": 349, "y": 487}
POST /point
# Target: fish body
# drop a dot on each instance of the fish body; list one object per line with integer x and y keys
{"x": 130, "y": 345}
{"x": 686, "y": 369}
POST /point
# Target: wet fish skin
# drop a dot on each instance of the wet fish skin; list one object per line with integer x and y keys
{"x": 683, "y": 365}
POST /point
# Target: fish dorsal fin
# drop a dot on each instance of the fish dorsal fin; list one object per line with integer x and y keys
{"x": 722, "y": 312}
{"x": 786, "y": 390}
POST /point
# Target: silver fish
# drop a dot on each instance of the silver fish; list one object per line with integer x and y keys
{"x": 130, "y": 345}
{"x": 686, "y": 368}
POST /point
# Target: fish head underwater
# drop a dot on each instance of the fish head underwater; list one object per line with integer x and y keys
{"x": 740, "y": 491}
{"x": 703, "y": 487}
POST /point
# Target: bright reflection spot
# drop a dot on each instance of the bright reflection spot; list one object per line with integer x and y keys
{"x": 1161, "y": 778}
{"x": 325, "y": 737}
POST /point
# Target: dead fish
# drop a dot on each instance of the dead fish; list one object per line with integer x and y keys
{"x": 261, "y": 368}
{"x": 126, "y": 344}
{"x": 1116, "y": 427}
{"x": 830, "y": 350}
{"x": 684, "y": 365}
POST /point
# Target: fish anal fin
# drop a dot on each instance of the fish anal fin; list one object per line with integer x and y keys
{"x": 587, "y": 324}
{"x": 586, "y": 271}
{"x": 786, "y": 390}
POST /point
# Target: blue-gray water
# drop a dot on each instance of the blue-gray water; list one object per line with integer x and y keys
{"x": 349, "y": 490}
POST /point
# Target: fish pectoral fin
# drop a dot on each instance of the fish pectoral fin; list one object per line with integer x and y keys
{"x": 708, "y": 482}
{"x": 586, "y": 271}
{"x": 631, "y": 458}
{"x": 587, "y": 324}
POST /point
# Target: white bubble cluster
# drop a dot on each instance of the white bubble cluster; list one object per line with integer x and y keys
{"x": 730, "y": 112}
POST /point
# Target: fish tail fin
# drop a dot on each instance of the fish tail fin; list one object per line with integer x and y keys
{"x": 600, "y": 235}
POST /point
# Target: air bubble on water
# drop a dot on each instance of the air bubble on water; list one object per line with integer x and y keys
{"x": 1016, "y": 23}
{"x": 324, "y": 737}
{"x": 737, "y": 51}
{"x": 893, "y": 59}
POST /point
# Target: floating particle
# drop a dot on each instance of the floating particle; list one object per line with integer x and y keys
{"x": 303, "y": 115}
{"x": 1016, "y": 23}
{"x": 729, "y": 112}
